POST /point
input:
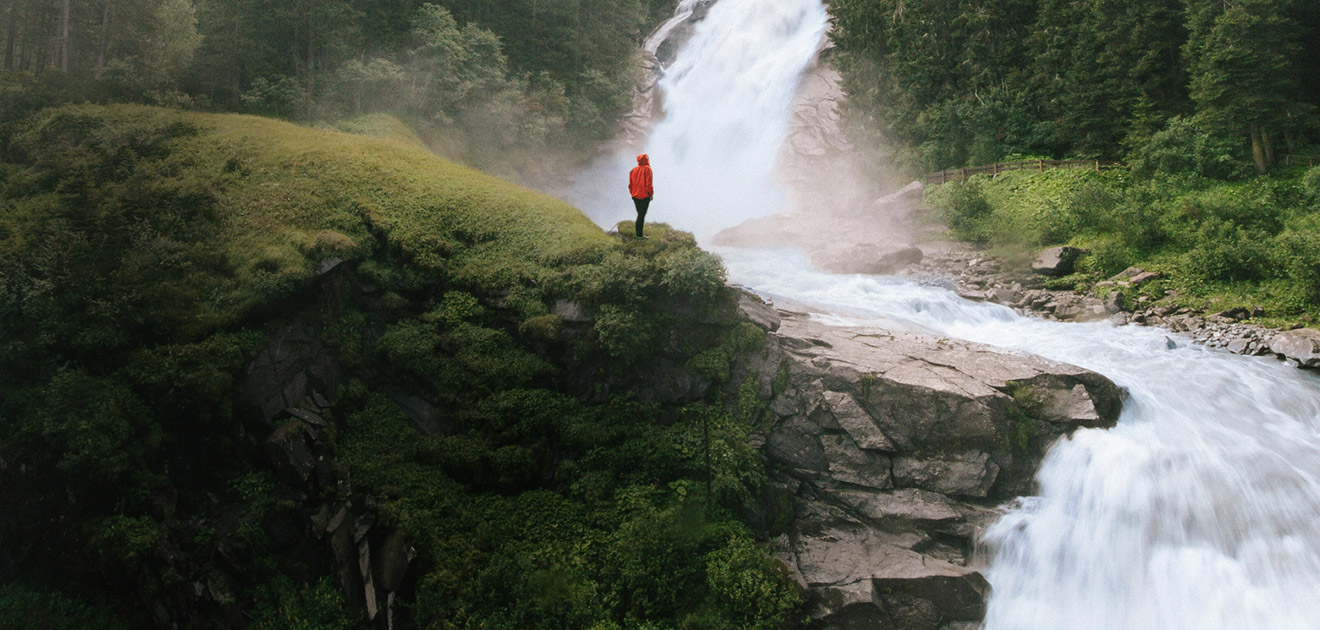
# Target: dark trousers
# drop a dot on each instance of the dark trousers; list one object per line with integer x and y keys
{"x": 642, "y": 205}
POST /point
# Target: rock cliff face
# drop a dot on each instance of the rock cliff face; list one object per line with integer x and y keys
{"x": 886, "y": 453}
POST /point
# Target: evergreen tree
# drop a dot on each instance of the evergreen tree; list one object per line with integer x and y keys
{"x": 1243, "y": 75}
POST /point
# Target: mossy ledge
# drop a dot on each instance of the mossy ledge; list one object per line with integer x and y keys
{"x": 259, "y": 375}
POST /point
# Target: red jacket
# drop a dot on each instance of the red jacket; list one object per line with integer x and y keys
{"x": 639, "y": 180}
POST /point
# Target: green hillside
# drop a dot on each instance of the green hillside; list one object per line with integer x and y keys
{"x": 486, "y": 367}
{"x": 230, "y": 211}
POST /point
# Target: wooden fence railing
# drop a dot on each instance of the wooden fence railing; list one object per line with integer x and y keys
{"x": 960, "y": 174}
{"x": 1309, "y": 160}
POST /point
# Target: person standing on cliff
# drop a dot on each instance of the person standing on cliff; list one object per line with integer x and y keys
{"x": 639, "y": 186}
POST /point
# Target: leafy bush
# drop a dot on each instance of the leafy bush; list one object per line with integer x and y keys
{"x": 1299, "y": 246}
{"x": 1224, "y": 251}
{"x": 1185, "y": 148}
{"x": 754, "y": 591}
{"x": 286, "y": 605}
{"x": 964, "y": 208}
{"x": 1311, "y": 188}
{"x": 24, "y": 605}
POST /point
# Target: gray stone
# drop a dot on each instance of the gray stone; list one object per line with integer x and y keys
{"x": 1301, "y": 346}
{"x": 390, "y": 562}
{"x": 310, "y": 417}
{"x": 757, "y": 311}
{"x": 967, "y": 474}
{"x": 1056, "y": 261}
{"x": 955, "y": 593}
{"x": 1003, "y": 295}
{"x": 1143, "y": 278}
{"x": 795, "y": 443}
{"x": 1233, "y": 314}
{"x": 1071, "y": 406}
{"x": 909, "y": 506}
{"x": 290, "y": 449}
{"x": 845, "y": 607}
{"x": 850, "y": 464}
{"x": 327, "y": 265}
{"x": 860, "y": 410}
{"x": 907, "y": 197}
{"x": 1115, "y": 302}
{"x": 572, "y": 312}
{"x": 857, "y": 422}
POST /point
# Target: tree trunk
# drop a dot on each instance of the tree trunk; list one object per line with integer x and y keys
{"x": 105, "y": 37}
{"x": 236, "y": 70}
{"x": 1269, "y": 147}
{"x": 64, "y": 34}
{"x": 12, "y": 36}
{"x": 1258, "y": 149}
{"x": 311, "y": 66}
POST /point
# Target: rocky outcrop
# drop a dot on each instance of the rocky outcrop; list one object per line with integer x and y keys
{"x": 886, "y": 451}
{"x": 289, "y": 389}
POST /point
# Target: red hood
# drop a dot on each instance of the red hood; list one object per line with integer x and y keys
{"x": 643, "y": 160}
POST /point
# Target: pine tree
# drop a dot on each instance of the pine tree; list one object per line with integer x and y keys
{"x": 1243, "y": 78}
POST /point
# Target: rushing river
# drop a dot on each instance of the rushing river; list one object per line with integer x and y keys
{"x": 1199, "y": 511}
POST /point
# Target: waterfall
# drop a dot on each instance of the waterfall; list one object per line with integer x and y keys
{"x": 1200, "y": 510}
{"x": 727, "y": 98}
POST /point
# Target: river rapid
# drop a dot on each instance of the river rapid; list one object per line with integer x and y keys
{"x": 1199, "y": 510}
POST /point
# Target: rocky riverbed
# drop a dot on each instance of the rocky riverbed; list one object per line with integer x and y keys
{"x": 977, "y": 276}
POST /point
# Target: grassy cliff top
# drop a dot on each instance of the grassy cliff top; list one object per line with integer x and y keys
{"x": 190, "y": 220}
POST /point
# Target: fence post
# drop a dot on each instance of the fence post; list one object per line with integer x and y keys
{"x": 1040, "y": 166}
{"x": 962, "y": 174}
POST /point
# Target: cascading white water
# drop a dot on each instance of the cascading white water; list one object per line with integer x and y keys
{"x": 1199, "y": 511}
{"x": 727, "y": 98}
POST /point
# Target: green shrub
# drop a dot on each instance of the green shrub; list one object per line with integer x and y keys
{"x": 751, "y": 589}
{"x": 1299, "y": 249}
{"x": 624, "y": 333}
{"x": 1311, "y": 188}
{"x": 1108, "y": 256}
{"x": 964, "y": 208}
{"x": 286, "y": 605}
{"x": 24, "y": 605}
{"x": 1185, "y": 148}
{"x": 1226, "y": 252}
